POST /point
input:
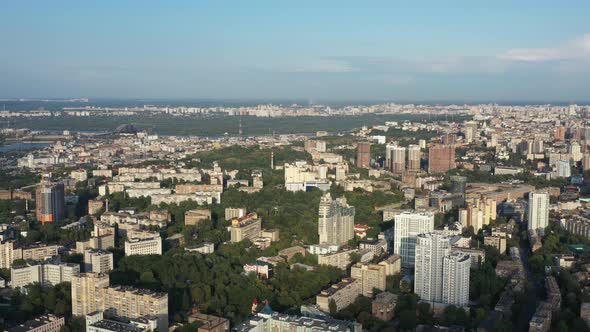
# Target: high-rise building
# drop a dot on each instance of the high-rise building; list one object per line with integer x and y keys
{"x": 50, "y": 202}
{"x": 91, "y": 293}
{"x": 538, "y": 211}
{"x": 430, "y": 250}
{"x": 87, "y": 293}
{"x": 563, "y": 169}
{"x": 441, "y": 158}
{"x": 363, "y": 155}
{"x": 98, "y": 261}
{"x": 470, "y": 131}
{"x": 575, "y": 151}
{"x": 441, "y": 276}
{"x": 456, "y": 273}
{"x": 336, "y": 221}
{"x": 586, "y": 162}
{"x": 407, "y": 225}
{"x": 458, "y": 184}
{"x": 398, "y": 159}
{"x": 559, "y": 133}
{"x": 414, "y": 157}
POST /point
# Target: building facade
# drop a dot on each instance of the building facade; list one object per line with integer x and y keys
{"x": 336, "y": 221}
{"x": 407, "y": 226}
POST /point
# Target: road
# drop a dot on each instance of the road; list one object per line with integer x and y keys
{"x": 534, "y": 290}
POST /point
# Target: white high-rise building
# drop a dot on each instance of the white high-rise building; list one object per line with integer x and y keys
{"x": 430, "y": 250}
{"x": 441, "y": 276}
{"x": 407, "y": 226}
{"x": 336, "y": 221}
{"x": 456, "y": 273}
{"x": 575, "y": 151}
{"x": 563, "y": 169}
{"x": 538, "y": 211}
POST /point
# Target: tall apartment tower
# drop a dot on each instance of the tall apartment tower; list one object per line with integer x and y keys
{"x": 389, "y": 156}
{"x": 538, "y": 211}
{"x": 441, "y": 158}
{"x": 456, "y": 273}
{"x": 414, "y": 158}
{"x": 87, "y": 294}
{"x": 336, "y": 221}
{"x": 470, "y": 131}
{"x": 50, "y": 200}
{"x": 398, "y": 160}
{"x": 430, "y": 251}
{"x": 363, "y": 155}
{"x": 407, "y": 226}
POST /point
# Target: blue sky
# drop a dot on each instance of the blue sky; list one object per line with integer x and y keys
{"x": 320, "y": 50}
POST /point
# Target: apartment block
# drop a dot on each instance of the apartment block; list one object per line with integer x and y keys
{"x": 342, "y": 293}
{"x": 246, "y": 227}
{"x": 98, "y": 261}
{"x": 370, "y": 276}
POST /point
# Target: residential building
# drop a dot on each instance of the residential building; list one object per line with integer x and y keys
{"x": 577, "y": 225}
{"x": 98, "y": 261}
{"x": 538, "y": 211}
{"x": 383, "y": 306}
{"x": 193, "y": 217}
{"x": 143, "y": 243}
{"x": 268, "y": 320}
{"x": 407, "y": 226}
{"x": 10, "y": 251}
{"x": 414, "y": 156}
{"x": 44, "y": 323}
{"x": 209, "y": 323}
{"x": 498, "y": 242}
{"x": 541, "y": 320}
{"x": 342, "y": 293}
{"x": 363, "y": 155}
{"x": 91, "y": 293}
{"x": 441, "y": 158}
{"x": 336, "y": 220}
{"x": 48, "y": 273}
{"x": 246, "y": 227}
{"x": 371, "y": 276}
{"x": 340, "y": 259}
{"x": 50, "y": 202}
{"x": 456, "y": 273}
{"x": 430, "y": 250}
{"x": 440, "y": 276}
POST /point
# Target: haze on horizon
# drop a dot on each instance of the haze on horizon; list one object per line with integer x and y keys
{"x": 328, "y": 50}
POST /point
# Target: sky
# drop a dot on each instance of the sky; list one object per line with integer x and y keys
{"x": 313, "y": 50}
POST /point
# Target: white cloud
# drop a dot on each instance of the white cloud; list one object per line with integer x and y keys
{"x": 576, "y": 49}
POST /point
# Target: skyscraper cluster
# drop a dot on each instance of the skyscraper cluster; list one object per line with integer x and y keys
{"x": 441, "y": 276}
{"x": 400, "y": 159}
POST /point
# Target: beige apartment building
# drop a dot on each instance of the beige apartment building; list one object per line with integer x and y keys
{"x": 91, "y": 292}
{"x": 370, "y": 276}
{"x": 193, "y": 217}
{"x": 246, "y": 227}
{"x": 343, "y": 294}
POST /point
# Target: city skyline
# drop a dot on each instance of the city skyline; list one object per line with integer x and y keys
{"x": 534, "y": 51}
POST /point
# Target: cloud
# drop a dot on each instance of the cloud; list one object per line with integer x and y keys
{"x": 576, "y": 49}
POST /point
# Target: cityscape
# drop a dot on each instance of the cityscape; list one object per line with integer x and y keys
{"x": 128, "y": 205}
